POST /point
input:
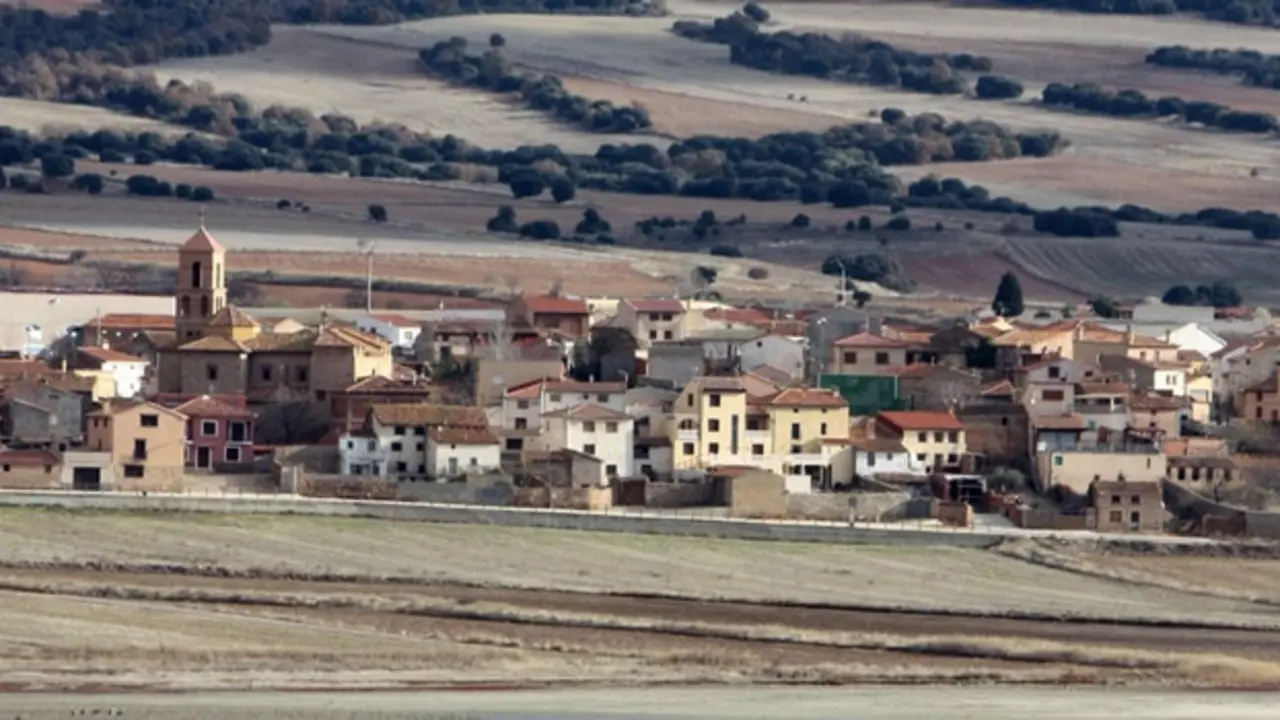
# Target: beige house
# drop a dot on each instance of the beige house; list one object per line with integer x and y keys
{"x": 1261, "y": 402}
{"x": 1076, "y": 470}
{"x": 651, "y": 321}
{"x": 1092, "y": 342}
{"x": 709, "y": 421}
{"x": 1159, "y": 413}
{"x": 1124, "y": 506}
{"x": 867, "y": 354}
{"x": 146, "y": 442}
{"x": 30, "y": 470}
{"x": 934, "y": 440}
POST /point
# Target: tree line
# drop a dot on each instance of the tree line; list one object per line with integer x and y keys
{"x": 1243, "y": 12}
{"x": 492, "y": 71}
{"x": 851, "y": 59}
{"x": 1254, "y": 68}
{"x": 1134, "y": 104}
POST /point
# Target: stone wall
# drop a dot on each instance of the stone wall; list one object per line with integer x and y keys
{"x": 346, "y": 487}
{"x": 883, "y": 507}
{"x": 957, "y": 514}
{"x": 679, "y": 494}
{"x": 499, "y": 494}
{"x": 834, "y": 507}
{"x": 314, "y": 458}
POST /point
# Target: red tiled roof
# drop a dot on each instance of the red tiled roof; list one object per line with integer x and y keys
{"x": 382, "y": 385}
{"x": 807, "y": 397}
{"x": 588, "y": 412}
{"x": 869, "y": 340}
{"x": 1070, "y": 421}
{"x": 576, "y": 386}
{"x": 1156, "y": 402}
{"x": 105, "y": 355}
{"x": 464, "y": 435}
{"x": 29, "y": 458}
{"x": 205, "y": 406}
{"x": 556, "y": 305}
{"x": 135, "y": 321}
{"x": 921, "y": 420}
{"x": 423, "y": 414}
{"x": 746, "y": 316}
{"x": 659, "y": 305}
{"x": 880, "y": 445}
{"x": 202, "y": 241}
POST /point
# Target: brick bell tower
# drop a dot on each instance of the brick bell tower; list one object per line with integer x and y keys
{"x": 202, "y": 287}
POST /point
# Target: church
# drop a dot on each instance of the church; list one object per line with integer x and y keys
{"x": 223, "y": 350}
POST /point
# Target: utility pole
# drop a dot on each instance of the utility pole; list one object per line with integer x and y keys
{"x": 368, "y": 246}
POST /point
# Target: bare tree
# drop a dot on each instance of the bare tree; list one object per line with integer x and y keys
{"x": 292, "y": 423}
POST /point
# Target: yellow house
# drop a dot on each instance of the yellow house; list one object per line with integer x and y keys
{"x": 801, "y": 418}
{"x": 1092, "y": 342}
{"x": 709, "y": 420}
{"x": 1200, "y": 392}
{"x": 934, "y": 439}
{"x": 145, "y": 441}
{"x": 867, "y": 354}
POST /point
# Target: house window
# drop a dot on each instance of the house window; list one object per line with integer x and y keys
{"x": 1135, "y": 517}
{"x": 871, "y": 459}
{"x": 796, "y": 449}
{"x": 1057, "y": 460}
{"x": 588, "y": 427}
{"x": 1136, "y": 499}
{"x": 822, "y": 429}
{"x": 522, "y": 405}
{"x": 522, "y": 424}
{"x": 1115, "y": 499}
{"x": 401, "y": 467}
{"x": 713, "y": 448}
{"x": 602, "y": 397}
{"x": 301, "y": 374}
{"x": 589, "y": 449}
{"x": 1116, "y": 516}
{"x": 641, "y": 452}
{"x": 555, "y": 398}
{"x": 1054, "y": 372}
{"x": 920, "y": 457}
{"x": 351, "y": 444}
{"x": 395, "y": 447}
{"x": 1182, "y": 473}
{"x": 238, "y": 431}
{"x": 609, "y": 470}
{"x": 851, "y": 358}
{"x": 211, "y": 371}
{"x": 757, "y": 449}
{"x": 134, "y": 471}
{"x": 937, "y": 436}
{"x": 795, "y": 431}
{"x": 1052, "y": 395}
{"x": 139, "y": 449}
{"x": 208, "y": 428}
{"x": 1004, "y": 421}
{"x": 373, "y": 445}
{"x": 882, "y": 358}
{"x": 713, "y": 425}
{"x": 149, "y": 420}
{"x": 666, "y": 335}
{"x": 611, "y": 427}
{"x": 713, "y": 400}
{"x": 421, "y": 446}
{"x": 48, "y": 469}
{"x": 653, "y": 334}
{"x": 266, "y": 372}
{"x": 419, "y": 431}
{"x": 687, "y": 448}
{"x": 922, "y": 437}
{"x": 953, "y": 437}
{"x": 952, "y": 459}
{"x": 690, "y": 401}
{"x": 399, "y": 430}
{"x": 233, "y": 454}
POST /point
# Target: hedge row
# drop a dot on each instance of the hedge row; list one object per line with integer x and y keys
{"x": 1254, "y": 68}
{"x": 850, "y": 59}
{"x": 1244, "y": 12}
{"x": 1132, "y": 103}
{"x": 492, "y": 71}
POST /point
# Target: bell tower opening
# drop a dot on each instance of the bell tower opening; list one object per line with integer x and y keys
{"x": 195, "y": 275}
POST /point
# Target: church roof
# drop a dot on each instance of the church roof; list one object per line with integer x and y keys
{"x": 202, "y": 241}
{"x": 232, "y": 316}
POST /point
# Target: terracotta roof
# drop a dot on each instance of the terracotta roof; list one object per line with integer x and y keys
{"x": 135, "y": 321}
{"x": 347, "y": 336}
{"x": 1046, "y": 361}
{"x": 26, "y": 367}
{"x": 202, "y": 241}
{"x": 423, "y": 414}
{"x": 214, "y": 343}
{"x": 530, "y": 390}
{"x": 29, "y": 458}
{"x": 1191, "y": 356}
{"x": 106, "y": 355}
{"x": 1060, "y": 422}
{"x": 1000, "y": 388}
{"x": 576, "y": 386}
{"x": 556, "y": 305}
{"x": 117, "y": 406}
{"x": 660, "y": 305}
{"x": 878, "y": 445}
{"x": 1123, "y": 487}
{"x": 807, "y": 397}
{"x": 1030, "y": 338}
{"x": 921, "y": 420}
{"x": 1156, "y": 402}
{"x": 746, "y": 316}
{"x": 869, "y": 340}
{"x": 588, "y": 412}
{"x": 382, "y": 385}
{"x": 463, "y": 435}
{"x": 770, "y": 374}
{"x": 733, "y": 471}
{"x": 206, "y": 406}
{"x": 720, "y": 383}
{"x": 232, "y": 316}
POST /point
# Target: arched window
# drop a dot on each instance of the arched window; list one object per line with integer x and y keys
{"x": 195, "y": 275}
{"x": 204, "y": 306}
{"x": 186, "y": 306}
{"x": 688, "y": 424}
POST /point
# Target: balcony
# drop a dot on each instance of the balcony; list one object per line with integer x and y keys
{"x": 687, "y": 435}
{"x": 757, "y": 436}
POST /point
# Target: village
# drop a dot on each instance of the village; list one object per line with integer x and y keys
{"x": 1160, "y": 421}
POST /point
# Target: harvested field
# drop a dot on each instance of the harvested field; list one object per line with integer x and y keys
{"x": 924, "y": 578}
{"x": 36, "y": 116}
{"x": 372, "y": 83}
{"x": 178, "y": 602}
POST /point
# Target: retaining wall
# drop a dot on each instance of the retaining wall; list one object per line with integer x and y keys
{"x": 511, "y": 517}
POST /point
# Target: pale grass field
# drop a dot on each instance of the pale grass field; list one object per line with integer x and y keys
{"x": 890, "y": 577}
{"x": 35, "y": 116}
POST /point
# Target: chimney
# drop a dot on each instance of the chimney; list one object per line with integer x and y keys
{"x": 1129, "y": 336}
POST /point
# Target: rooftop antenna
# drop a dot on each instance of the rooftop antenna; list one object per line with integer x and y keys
{"x": 202, "y": 216}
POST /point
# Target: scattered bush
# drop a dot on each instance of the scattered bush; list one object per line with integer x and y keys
{"x": 527, "y": 184}
{"x": 864, "y": 223}
{"x": 868, "y": 267}
{"x": 758, "y": 273}
{"x": 200, "y": 193}
{"x": 91, "y": 183}
{"x": 541, "y": 230}
{"x": 56, "y": 165}
{"x": 755, "y": 12}
{"x": 997, "y": 87}
{"x": 504, "y": 221}
{"x": 1080, "y": 222}
{"x": 377, "y": 213}
{"x": 562, "y": 190}
{"x": 592, "y": 223}
{"x": 728, "y": 251}
{"x": 1133, "y": 103}
{"x": 1253, "y": 67}
{"x": 1219, "y": 294}
{"x": 182, "y": 190}
{"x": 800, "y": 221}
{"x": 898, "y": 222}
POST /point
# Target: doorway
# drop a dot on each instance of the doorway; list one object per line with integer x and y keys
{"x": 204, "y": 458}
{"x": 89, "y": 478}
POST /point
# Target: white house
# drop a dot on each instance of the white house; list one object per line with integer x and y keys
{"x": 400, "y": 331}
{"x": 778, "y": 351}
{"x": 882, "y": 456}
{"x": 1193, "y": 336}
{"x": 524, "y": 405}
{"x": 651, "y": 456}
{"x": 360, "y": 453}
{"x": 593, "y": 430}
{"x": 452, "y": 451}
{"x": 126, "y": 373}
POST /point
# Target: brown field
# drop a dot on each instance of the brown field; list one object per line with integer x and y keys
{"x": 109, "y": 600}
{"x": 54, "y": 7}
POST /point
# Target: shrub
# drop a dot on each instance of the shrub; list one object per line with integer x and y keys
{"x": 377, "y": 213}
{"x": 592, "y": 223}
{"x": 528, "y": 184}
{"x": 496, "y": 40}
{"x": 541, "y": 230}
{"x": 758, "y": 273}
{"x": 864, "y": 223}
{"x": 997, "y": 87}
{"x": 800, "y": 221}
{"x": 57, "y": 166}
{"x": 201, "y": 193}
{"x": 562, "y": 189}
{"x": 91, "y": 183}
{"x": 755, "y": 12}
{"x": 504, "y": 221}
{"x": 898, "y": 222}
{"x": 728, "y": 251}
{"x": 1080, "y": 222}
{"x": 182, "y": 190}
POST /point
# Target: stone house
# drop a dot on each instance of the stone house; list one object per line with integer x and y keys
{"x": 1077, "y": 469}
{"x": 453, "y": 450}
{"x": 1157, "y": 413}
{"x": 146, "y": 443}
{"x": 996, "y": 434}
{"x": 924, "y": 386}
{"x": 1127, "y": 506}
{"x": 867, "y": 354}
{"x": 525, "y": 405}
{"x": 569, "y": 317}
{"x": 1260, "y": 403}
{"x": 882, "y": 456}
{"x": 650, "y": 321}
{"x": 349, "y": 407}
{"x": 30, "y": 470}
{"x": 397, "y": 441}
{"x": 41, "y": 414}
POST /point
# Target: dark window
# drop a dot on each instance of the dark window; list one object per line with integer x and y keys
{"x": 401, "y": 467}
{"x": 1054, "y": 372}
{"x": 150, "y": 420}
{"x": 139, "y": 449}
{"x": 211, "y": 371}
{"x": 795, "y": 431}
{"x": 713, "y": 448}
{"x": 713, "y": 400}
{"x": 420, "y": 431}
{"x": 266, "y": 372}
{"x": 204, "y": 306}
{"x": 609, "y": 470}
{"x": 1052, "y": 395}
{"x": 134, "y": 471}
{"x": 713, "y": 425}
{"x": 953, "y": 437}
{"x": 641, "y": 452}
{"x": 882, "y": 358}
{"x": 302, "y": 374}
{"x": 666, "y": 335}
{"x": 395, "y": 447}
{"x": 757, "y": 449}
{"x": 851, "y": 357}
{"x": 822, "y": 430}
{"x": 589, "y": 449}
{"x": 399, "y": 430}
{"x": 1136, "y": 500}
{"x": 195, "y": 275}
{"x": 521, "y": 423}
{"x": 1115, "y": 499}
{"x": 687, "y": 448}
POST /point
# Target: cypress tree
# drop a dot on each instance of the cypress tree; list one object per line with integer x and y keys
{"x": 1008, "y": 301}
